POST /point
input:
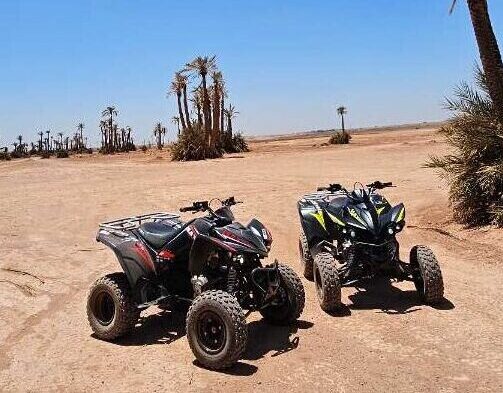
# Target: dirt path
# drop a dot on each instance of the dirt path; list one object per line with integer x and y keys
{"x": 384, "y": 341}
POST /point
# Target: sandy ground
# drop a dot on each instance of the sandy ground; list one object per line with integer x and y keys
{"x": 386, "y": 341}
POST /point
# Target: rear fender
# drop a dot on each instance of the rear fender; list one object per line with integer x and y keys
{"x": 132, "y": 254}
{"x": 313, "y": 224}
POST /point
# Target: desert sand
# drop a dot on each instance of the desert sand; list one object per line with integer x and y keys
{"x": 385, "y": 341}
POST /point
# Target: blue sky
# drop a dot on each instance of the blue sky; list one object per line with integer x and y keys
{"x": 287, "y": 63}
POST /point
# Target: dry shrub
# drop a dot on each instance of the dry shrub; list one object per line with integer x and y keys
{"x": 474, "y": 171}
{"x": 340, "y": 138}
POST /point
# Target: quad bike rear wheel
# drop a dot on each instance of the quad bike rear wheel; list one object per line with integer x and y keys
{"x": 327, "y": 282}
{"x": 111, "y": 311}
{"x": 306, "y": 259}
{"x": 291, "y": 299}
{"x": 427, "y": 274}
{"x": 216, "y": 329}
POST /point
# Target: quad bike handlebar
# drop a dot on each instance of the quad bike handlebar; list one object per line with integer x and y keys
{"x": 377, "y": 185}
{"x": 331, "y": 187}
{"x": 202, "y": 206}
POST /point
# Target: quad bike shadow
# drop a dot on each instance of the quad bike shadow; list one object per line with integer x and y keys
{"x": 164, "y": 327}
{"x": 381, "y": 294}
{"x": 265, "y": 338}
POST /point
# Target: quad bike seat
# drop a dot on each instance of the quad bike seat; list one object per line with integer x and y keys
{"x": 157, "y": 234}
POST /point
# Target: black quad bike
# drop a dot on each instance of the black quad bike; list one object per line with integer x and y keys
{"x": 350, "y": 236}
{"x": 210, "y": 263}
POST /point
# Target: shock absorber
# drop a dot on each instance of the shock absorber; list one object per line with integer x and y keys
{"x": 232, "y": 280}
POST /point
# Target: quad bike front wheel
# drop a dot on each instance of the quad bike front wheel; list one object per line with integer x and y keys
{"x": 111, "y": 311}
{"x": 306, "y": 259}
{"x": 326, "y": 281}
{"x": 290, "y": 300}
{"x": 216, "y": 329}
{"x": 427, "y": 274}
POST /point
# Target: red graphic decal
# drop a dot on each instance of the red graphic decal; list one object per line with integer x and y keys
{"x": 144, "y": 256}
{"x": 166, "y": 254}
{"x": 228, "y": 234}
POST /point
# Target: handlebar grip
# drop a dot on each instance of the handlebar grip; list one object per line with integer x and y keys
{"x": 186, "y": 209}
{"x": 321, "y": 189}
{"x": 388, "y": 184}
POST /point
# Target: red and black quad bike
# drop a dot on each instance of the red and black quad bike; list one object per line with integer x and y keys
{"x": 211, "y": 263}
{"x": 351, "y": 236}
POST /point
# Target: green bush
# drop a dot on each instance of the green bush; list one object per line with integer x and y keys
{"x": 340, "y": 138}
{"x": 474, "y": 170}
{"x": 62, "y": 154}
{"x": 191, "y": 146}
{"x": 5, "y": 156}
{"x": 234, "y": 144}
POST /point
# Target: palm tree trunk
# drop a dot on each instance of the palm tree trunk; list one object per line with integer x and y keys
{"x": 222, "y": 107}
{"x": 229, "y": 126}
{"x": 216, "y": 115}
{"x": 186, "y": 107}
{"x": 180, "y": 112}
{"x": 206, "y": 111}
{"x": 489, "y": 52}
{"x": 342, "y": 123}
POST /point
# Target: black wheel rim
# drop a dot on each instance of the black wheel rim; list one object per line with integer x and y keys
{"x": 104, "y": 308}
{"x": 211, "y": 332}
{"x": 318, "y": 283}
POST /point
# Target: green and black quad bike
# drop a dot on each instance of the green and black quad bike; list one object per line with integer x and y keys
{"x": 350, "y": 236}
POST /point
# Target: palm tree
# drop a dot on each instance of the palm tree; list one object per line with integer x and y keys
{"x": 341, "y": 111}
{"x": 80, "y": 128}
{"x": 222, "y": 105}
{"x": 197, "y": 102}
{"x": 202, "y": 66}
{"x": 230, "y": 113}
{"x": 217, "y": 78}
{"x": 41, "y": 141}
{"x": 48, "y": 132}
{"x": 20, "y": 139}
{"x": 60, "y": 134}
{"x": 489, "y": 51}
{"x": 159, "y": 130}
{"x": 183, "y": 81}
{"x": 176, "y": 120}
{"x": 177, "y": 86}
{"x": 110, "y": 112}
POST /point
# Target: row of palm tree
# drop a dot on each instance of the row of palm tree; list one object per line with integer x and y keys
{"x": 208, "y": 97}
{"x": 48, "y": 144}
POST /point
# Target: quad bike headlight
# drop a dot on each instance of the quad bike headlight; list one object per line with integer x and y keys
{"x": 398, "y": 227}
{"x": 352, "y": 234}
{"x": 391, "y": 230}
